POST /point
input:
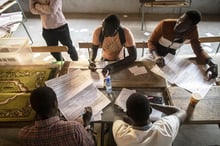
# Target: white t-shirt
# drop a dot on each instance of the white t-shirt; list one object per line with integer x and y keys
{"x": 161, "y": 133}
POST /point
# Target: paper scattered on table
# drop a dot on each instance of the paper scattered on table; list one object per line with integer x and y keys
{"x": 184, "y": 74}
{"x": 97, "y": 77}
{"x": 75, "y": 92}
{"x": 136, "y": 70}
{"x": 10, "y": 18}
{"x": 122, "y": 98}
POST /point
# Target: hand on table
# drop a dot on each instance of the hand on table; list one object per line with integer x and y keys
{"x": 160, "y": 61}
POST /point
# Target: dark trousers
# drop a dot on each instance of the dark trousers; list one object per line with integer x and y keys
{"x": 62, "y": 34}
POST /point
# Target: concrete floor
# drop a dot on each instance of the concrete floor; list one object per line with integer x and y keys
{"x": 81, "y": 27}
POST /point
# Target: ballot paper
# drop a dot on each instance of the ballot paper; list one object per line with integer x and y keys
{"x": 7, "y": 19}
{"x": 75, "y": 92}
{"x": 123, "y": 97}
{"x": 137, "y": 70}
{"x": 185, "y": 74}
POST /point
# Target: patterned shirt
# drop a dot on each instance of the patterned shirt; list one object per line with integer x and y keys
{"x": 163, "y": 35}
{"x": 55, "y": 132}
{"x": 50, "y": 12}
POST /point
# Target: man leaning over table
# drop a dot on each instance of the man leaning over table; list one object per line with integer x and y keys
{"x": 138, "y": 130}
{"x": 108, "y": 37}
{"x": 170, "y": 34}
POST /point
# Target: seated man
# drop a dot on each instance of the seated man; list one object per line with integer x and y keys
{"x": 170, "y": 34}
{"x": 137, "y": 129}
{"x": 49, "y": 129}
{"x": 113, "y": 38}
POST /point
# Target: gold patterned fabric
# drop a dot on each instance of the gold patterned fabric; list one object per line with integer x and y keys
{"x": 16, "y": 83}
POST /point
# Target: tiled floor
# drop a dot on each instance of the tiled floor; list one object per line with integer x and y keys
{"x": 81, "y": 27}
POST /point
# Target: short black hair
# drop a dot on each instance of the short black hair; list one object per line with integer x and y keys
{"x": 43, "y": 100}
{"x": 111, "y": 23}
{"x": 138, "y": 108}
{"x": 194, "y": 15}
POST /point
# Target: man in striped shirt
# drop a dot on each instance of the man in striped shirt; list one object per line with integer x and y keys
{"x": 49, "y": 129}
{"x": 170, "y": 34}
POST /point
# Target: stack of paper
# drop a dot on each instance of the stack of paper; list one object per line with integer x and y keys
{"x": 75, "y": 92}
{"x": 10, "y": 18}
{"x": 184, "y": 74}
{"x": 9, "y": 22}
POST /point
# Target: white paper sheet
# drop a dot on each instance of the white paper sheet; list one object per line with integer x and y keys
{"x": 123, "y": 97}
{"x": 75, "y": 92}
{"x": 10, "y": 18}
{"x": 136, "y": 70}
{"x": 185, "y": 74}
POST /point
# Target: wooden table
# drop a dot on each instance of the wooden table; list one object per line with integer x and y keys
{"x": 207, "y": 111}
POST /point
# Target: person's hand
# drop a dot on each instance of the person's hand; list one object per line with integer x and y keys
{"x": 35, "y": 4}
{"x": 160, "y": 61}
{"x": 87, "y": 116}
{"x": 92, "y": 66}
{"x": 107, "y": 70}
{"x": 212, "y": 71}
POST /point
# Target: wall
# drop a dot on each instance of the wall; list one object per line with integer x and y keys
{"x": 127, "y": 6}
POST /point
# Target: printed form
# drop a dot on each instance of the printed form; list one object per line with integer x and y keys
{"x": 184, "y": 74}
{"x": 75, "y": 92}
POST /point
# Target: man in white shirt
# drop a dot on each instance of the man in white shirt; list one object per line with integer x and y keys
{"x": 55, "y": 27}
{"x": 138, "y": 130}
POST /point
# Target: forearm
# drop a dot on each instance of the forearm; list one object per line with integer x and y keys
{"x": 153, "y": 52}
{"x": 170, "y": 110}
{"x": 93, "y": 53}
{"x": 44, "y": 9}
{"x": 127, "y": 60}
{"x": 33, "y": 10}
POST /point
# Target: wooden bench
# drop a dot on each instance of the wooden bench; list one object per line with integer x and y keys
{"x": 60, "y": 49}
{"x": 143, "y": 45}
{"x": 162, "y": 4}
{"x": 49, "y": 48}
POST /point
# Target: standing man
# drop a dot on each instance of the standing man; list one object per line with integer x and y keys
{"x": 49, "y": 129}
{"x": 55, "y": 27}
{"x": 170, "y": 34}
{"x": 138, "y": 130}
{"x": 113, "y": 39}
